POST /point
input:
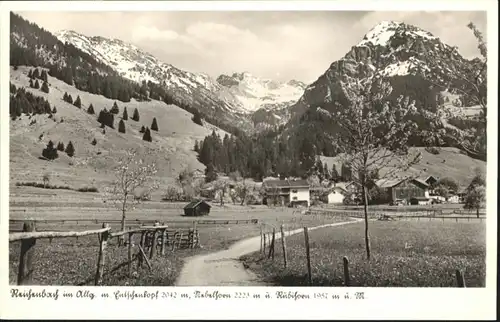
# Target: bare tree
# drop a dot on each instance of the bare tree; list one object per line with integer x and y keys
{"x": 131, "y": 174}
{"x": 373, "y": 135}
{"x": 472, "y": 80}
{"x": 221, "y": 186}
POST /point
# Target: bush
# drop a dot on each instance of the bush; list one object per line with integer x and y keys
{"x": 142, "y": 130}
{"x": 125, "y": 114}
{"x": 54, "y": 110}
{"x": 88, "y": 189}
{"x": 60, "y": 146}
{"x": 94, "y": 142}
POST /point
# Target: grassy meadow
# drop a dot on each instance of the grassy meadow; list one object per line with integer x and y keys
{"x": 404, "y": 254}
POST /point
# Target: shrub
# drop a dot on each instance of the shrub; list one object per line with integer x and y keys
{"x": 88, "y": 189}
{"x": 125, "y": 114}
{"x": 54, "y": 110}
{"x": 142, "y": 130}
{"x": 94, "y": 142}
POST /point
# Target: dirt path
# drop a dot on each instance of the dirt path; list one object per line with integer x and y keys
{"x": 224, "y": 269}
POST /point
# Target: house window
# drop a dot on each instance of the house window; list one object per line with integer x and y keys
{"x": 294, "y": 198}
{"x": 294, "y": 190}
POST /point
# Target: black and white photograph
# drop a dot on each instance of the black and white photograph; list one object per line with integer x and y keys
{"x": 248, "y": 148}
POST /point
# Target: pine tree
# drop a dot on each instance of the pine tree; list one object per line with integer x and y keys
{"x": 70, "y": 150}
{"x": 43, "y": 76}
{"x": 50, "y": 152}
{"x": 30, "y": 74}
{"x": 37, "y": 84}
{"x": 121, "y": 127}
{"x": 70, "y": 99}
{"x": 32, "y": 85}
{"x": 196, "y": 146}
{"x": 94, "y": 142}
{"x": 142, "y": 130}
{"x": 90, "y": 110}
{"x": 210, "y": 173}
{"x": 45, "y": 87}
{"x": 197, "y": 118}
{"x": 135, "y": 117}
{"x": 60, "y": 146}
{"x": 125, "y": 114}
{"x": 154, "y": 125}
{"x": 65, "y": 97}
{"x": 35, "y": 73}
{"x": 54, "y": 110}
{"x": 115, "y": 109}
{"x": 147, "y": 135}
{"x": 78, "y": 102}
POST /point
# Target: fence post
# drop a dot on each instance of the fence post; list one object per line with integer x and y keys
{"x": 308, "y": 255}
{"x": 141, "y": 243}
{"x": 129, "y": 254}
{"x": 283, "y": 244}
{"x": 261, "y": 240}
{"x": 103, "y": 242}
{"x": 264, "y": 235}
{"x": 347, "y": 280}
{"x": 153, "y": 245}
{"x": 25, "y": 271}
{"x": 163, "y": 239}
{"x": 271, "y": 248}
{"x": 460, "y": 278}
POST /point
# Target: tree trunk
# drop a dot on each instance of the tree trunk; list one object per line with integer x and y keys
{"x": 122, "y": 237}
{"x": 365, "y": 208}
{"x": 477, "y": 212}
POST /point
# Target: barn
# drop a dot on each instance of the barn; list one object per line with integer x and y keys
{"x": 404, "y": 189}
{"x": 197, "y": 208}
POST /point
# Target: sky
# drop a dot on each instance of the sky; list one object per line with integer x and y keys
{"x": 277, "y": 45}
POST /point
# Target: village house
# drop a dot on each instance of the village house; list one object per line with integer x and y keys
{"x": 405, "y": 189}
{"x": 287, "y": 192}
{"x": 197, "y": 208}
{"x": 335, "y": 195}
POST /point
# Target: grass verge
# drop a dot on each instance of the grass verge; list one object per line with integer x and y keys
{"x": 404, "y": 254}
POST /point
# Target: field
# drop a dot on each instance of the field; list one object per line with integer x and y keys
{"x": 404, "y": 254}
{"x": 71, "y": 261}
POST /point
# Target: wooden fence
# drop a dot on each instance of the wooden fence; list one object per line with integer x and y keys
{"x": 154, "y": 240}
{"x": 268, "y": 240}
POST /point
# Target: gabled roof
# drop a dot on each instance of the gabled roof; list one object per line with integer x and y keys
{"x": 195, "y": 203}
{"x": 389, "y": 183}
{"x": 286, "y": 183}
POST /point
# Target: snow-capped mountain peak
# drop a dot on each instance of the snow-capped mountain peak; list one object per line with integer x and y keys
{"x": 381, "y": 33}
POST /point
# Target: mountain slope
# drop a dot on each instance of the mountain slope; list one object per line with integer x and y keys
{"x": 414, "y": 62}
{"x": 172, "y": 146}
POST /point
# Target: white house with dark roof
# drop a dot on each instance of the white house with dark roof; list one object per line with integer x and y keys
{"x": 405, "y": 189}
{"x": 287, "y": 192}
